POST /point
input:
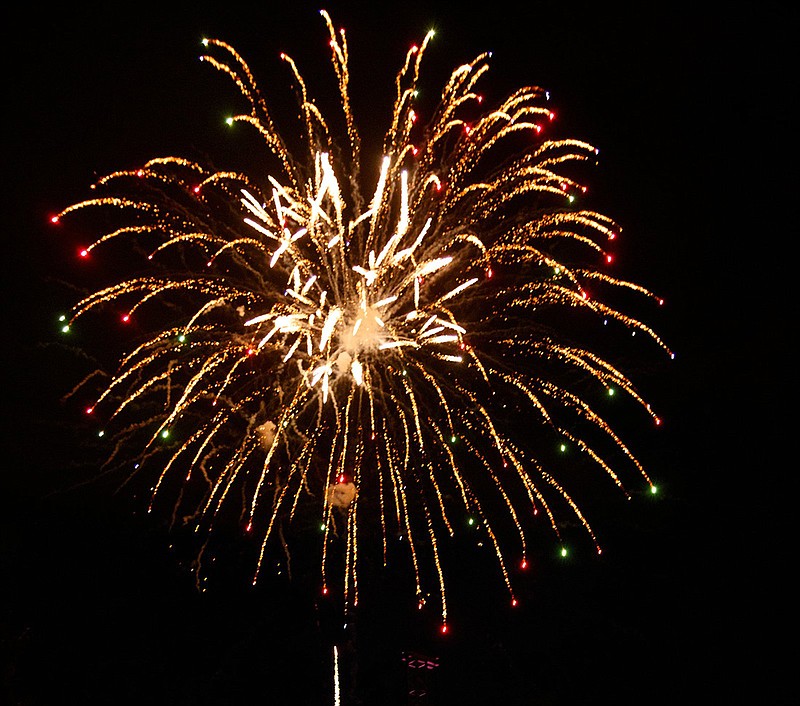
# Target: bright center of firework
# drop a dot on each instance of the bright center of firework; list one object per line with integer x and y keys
{"x": 336, "y": 314}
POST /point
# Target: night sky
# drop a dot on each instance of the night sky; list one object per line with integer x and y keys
{"x": 98, "y": 608}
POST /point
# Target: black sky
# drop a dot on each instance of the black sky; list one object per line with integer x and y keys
{"x": 95, "y": 608}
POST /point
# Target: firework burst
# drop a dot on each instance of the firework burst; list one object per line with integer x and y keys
{"x": 375, "y": 353}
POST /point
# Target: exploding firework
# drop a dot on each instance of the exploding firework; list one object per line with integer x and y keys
{"x": 373, "y": 341}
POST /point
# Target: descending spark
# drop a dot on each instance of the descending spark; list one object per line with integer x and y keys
{"x": 383, "y": 361}
{"x": 336, "y": 688}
